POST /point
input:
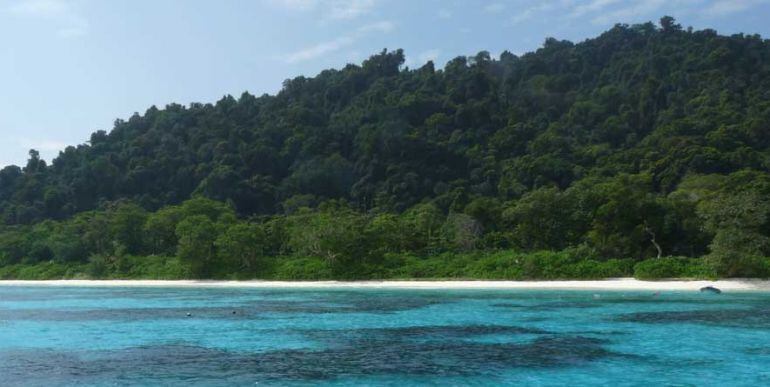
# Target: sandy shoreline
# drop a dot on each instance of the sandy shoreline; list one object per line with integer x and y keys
{"x": 610, "y": 284}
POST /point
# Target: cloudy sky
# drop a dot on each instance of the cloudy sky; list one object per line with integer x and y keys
{"x": 68, "y": 68}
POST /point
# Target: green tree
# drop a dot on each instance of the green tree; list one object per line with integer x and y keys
{"x": 740, "y": 224}
{"x": 424, "y": 221}
{"x": 126, "y": 226}
{"x": 542, "y": 220}
{"x": 336, "y": 237}
{"x": 196, "y": 235}
{"x": 160, "y": 230}
{"x": 628, "y": 219}
{"x": 462, "y": 231}
{"x": 243, "y": 245}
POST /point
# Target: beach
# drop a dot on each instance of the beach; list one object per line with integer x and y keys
{"x": 610, "y": 284}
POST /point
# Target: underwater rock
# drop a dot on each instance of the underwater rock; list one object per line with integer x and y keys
{"x": 710, "y": 289}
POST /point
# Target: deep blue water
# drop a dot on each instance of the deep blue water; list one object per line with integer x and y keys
{"x": 143, "y": 336}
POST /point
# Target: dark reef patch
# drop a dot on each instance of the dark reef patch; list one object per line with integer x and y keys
{"x": 541, "y": 303}
{"x": 743, "y": 318}
{"x": 380, "y": 302}
{"x": 510, "y": 305}
{"x": 763, "y": 351}
{"x": 243, "y": 310}
{"x": 415, "y": 333}
{"x": 359, "y": 356}
{"x": 128, "y": 314}
{"x": 549, "y": 306}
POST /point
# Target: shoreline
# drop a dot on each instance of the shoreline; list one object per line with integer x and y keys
{"x": 609, "y": 284}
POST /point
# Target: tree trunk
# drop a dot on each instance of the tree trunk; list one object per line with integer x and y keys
{"x": 652, "y": 239}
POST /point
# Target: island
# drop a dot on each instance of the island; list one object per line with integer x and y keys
{"x": 643, "y": 152}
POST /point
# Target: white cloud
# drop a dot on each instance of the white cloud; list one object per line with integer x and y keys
{"x": 444, "y": 14}
{"x": 320, "y": 49}
{"x": 39, "y": 8}
{"x": 354, "y": 56}
{"x": 427, "y": 55}
{"x": 295, "y": 5}
{"x": 42, "y": 145}
{"x": 422, "y": 58}
{"x": 67, "y": 21}
{"x": 15, "y": 150}
{"x": 331, "y": 9}
{"x": 726, "y": 7}
{"x": 72, "y": 32}
{"x": 350, "y": 9}
{"x": 530, "y": 12}
{"x": 603, "y": 12}
{"x": 592, "y": 6}
{"x": 636, "y": 9}
{"x": 383, "y": 26}
{"x": 338, "y": 43}
{"x": 494, "y": 7}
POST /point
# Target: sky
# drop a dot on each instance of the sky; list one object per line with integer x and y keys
{"x": 69, "y": 68}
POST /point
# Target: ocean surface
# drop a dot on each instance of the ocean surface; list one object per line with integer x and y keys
{"x": 53, "y": 336}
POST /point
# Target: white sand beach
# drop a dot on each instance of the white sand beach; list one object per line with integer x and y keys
{"x": 610, "y": 284}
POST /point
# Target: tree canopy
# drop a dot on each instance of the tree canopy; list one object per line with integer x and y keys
{"x": 645, "y": 138}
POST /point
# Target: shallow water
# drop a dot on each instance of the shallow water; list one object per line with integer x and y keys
{"x": 144, "y": 336}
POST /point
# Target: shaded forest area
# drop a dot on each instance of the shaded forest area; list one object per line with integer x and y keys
{"x": 644, "y": 151}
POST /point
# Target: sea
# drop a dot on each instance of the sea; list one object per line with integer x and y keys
{"x": 149, "y": 336}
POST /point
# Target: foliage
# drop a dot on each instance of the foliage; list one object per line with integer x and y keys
{"x": 196, "y": 236}
{"x": 674, "y": 267}
{"x": 241, "y": 247}
{"x": 642, "y": 142}
{"x": 303, "y": 269}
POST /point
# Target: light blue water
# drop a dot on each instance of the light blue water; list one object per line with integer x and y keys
{"x": 143, "y": 336}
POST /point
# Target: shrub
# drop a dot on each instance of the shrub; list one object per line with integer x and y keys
{"x": 98, "y": 266}
{"x": 509, "y": 265}
{"x": 592, "y": 269}
{"x": 746, "y": 266}
{"x": 447, "y": 265}
{"x": 43, "y": 271}
{"x": 674, "y": 267}
{"x": 156, "y": 267}
{"x": 501, "y": 265}
{"x": 303, "y": 269}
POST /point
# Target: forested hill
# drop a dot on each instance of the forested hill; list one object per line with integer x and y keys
{"x": 606, "y": 134}
{"x": 663, "y": 101}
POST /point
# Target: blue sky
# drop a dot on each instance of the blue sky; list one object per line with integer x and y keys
{"x": 68, "y": 68}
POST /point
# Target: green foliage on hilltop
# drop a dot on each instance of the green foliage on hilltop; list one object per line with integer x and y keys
{"x": 576, "y": 160}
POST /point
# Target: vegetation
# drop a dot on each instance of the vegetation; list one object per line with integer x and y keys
{"x": 644, "y": 151}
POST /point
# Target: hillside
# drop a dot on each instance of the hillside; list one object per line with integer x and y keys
{"x": 644, "y": 141}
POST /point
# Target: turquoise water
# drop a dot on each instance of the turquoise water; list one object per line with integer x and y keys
{"x": 144, "y": 336}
